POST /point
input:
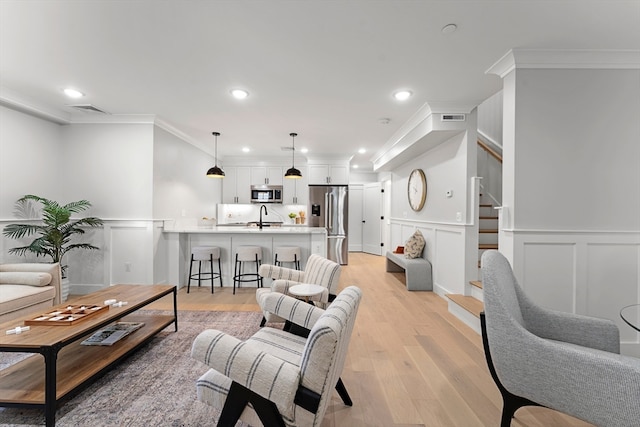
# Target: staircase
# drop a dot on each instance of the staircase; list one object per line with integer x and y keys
{"x": 467, "y": 307}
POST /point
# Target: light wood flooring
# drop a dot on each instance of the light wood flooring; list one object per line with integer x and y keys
{"x": 410, "y": 362}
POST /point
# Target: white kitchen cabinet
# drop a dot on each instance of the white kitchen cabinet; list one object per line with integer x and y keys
{"x": 236, "y": 185}
{"x": 296, "y": 191}
{"x": 329, "y": 174}
{"x": 266, "y": 175}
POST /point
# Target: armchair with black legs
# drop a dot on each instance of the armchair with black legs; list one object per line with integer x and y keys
{"x": 318, "y": 271}
{"x": 276, "y": 378}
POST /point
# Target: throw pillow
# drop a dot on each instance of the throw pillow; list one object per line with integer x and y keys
{"x": 414, "y": 246}
{"x": 25, "y": 278}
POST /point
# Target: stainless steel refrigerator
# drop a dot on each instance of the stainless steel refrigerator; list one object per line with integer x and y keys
{"x": 329, "y": 207}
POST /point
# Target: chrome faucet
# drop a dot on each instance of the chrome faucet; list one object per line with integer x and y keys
{"x": 265, "y": 212}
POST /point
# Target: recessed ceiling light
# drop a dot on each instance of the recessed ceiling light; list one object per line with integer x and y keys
{"x": 449, "y": 28}
{"x": 239, "y": 93}
{"x": 355, "y": 166}
{"x": 246, "y": 149}
{"x": 362, "y": 151}
{"x": 402, "y": 95}
{"x": 72, "y": 93}
{"x": 304, "y": 150}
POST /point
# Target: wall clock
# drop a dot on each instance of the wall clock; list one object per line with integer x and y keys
{"x": 417, "y": 189}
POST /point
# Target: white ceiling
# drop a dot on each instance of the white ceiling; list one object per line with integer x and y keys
{"x": 323, "y": 69}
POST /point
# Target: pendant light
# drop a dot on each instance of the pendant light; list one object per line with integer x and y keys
{"x": 215, "y": 172}
{"x": 292, "y": 172}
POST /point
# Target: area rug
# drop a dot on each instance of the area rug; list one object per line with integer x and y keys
{"x": 155, "y": 386}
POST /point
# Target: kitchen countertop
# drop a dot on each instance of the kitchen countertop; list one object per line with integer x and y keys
{"x": 234, "y": 229}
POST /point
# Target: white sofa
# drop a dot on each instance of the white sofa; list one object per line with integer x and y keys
{"x": 28, "y": 288}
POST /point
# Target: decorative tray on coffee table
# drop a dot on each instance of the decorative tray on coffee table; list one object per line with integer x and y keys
{"x": 66, "y": 315}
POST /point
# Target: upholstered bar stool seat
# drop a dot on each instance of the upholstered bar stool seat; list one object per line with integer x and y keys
{"x": 288, "y": 254}
{"x": 247, "y": 254}
{"x": 204, "y": 254}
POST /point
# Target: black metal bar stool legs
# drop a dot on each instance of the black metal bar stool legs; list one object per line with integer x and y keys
{"x": 251, "y": 254}
{"x": 288, "y": 254}
{"x": 205, "y": 254}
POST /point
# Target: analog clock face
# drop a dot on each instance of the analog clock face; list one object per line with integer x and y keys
{"x": 417, "y": 189}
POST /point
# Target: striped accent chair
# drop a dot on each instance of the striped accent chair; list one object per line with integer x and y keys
{"x": 318, "y": 271}
{"x": 276, "y": 378}
{"x": 563, "y": 361}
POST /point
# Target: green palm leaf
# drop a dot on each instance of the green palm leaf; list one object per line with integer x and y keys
{"x": 54, "y": 236}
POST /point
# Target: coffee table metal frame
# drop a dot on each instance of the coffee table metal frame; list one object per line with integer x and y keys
{"x": 74, "y": 334}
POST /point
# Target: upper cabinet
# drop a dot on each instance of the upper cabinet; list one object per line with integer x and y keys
{"x": 266, "y": 175}
{"x": 328, "y": 174}
{"x": 236, "y": 185}
{"x": 296, "y": 191}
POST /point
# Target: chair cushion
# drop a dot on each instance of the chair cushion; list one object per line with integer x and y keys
{"x": 284, "y": 345}
{"x": 414, "y": 246}
{"x": 25, "y": 278}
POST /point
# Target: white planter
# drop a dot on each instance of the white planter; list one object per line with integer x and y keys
{"x": 64, "y": 286}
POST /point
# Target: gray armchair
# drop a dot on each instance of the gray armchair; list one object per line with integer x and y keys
{"x": 566, "y": 362}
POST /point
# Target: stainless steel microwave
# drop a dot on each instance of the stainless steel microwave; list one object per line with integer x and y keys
{"x": 266, "y": 194}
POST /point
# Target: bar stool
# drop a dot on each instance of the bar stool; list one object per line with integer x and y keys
{"x": 288, "y": 254}
{"x": 204, "y": 254}
{"x": 247, "y": 254}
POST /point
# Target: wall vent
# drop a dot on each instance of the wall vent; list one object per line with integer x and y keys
{"x": 88, "y": 108}
{"x": 452, "y": 117}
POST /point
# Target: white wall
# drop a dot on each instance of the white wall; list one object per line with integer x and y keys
{"x": 111, "y": 165}
{"x": 572, "y": 189}
{"x": 180, "y": 186}
{"x": 30, "y": 158}
{"x": 577, "y": 149}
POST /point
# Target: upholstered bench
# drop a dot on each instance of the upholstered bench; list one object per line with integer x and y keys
{"x": 417, "y": 270}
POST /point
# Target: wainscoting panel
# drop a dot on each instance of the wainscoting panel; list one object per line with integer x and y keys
{"x": 130, "y": 253}
{"x": 549, "y": 275}
{"x": 612, "y": 282}
{"x": 449, "y": 260}
{"x": 590, "y": 273}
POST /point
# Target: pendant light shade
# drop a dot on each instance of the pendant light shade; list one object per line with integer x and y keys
{"x": 215, "y": 171}
{"x": 292, "y": 172}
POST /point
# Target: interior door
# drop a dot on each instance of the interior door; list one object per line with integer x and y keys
{"x": 355, "y": 218}
{"x": 372, "y": 219}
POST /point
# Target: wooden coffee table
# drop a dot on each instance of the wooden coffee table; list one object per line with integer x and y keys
{"x": 68, "y": 365}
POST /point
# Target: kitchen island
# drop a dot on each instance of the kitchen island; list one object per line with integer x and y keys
{"x": 180, "y": 240}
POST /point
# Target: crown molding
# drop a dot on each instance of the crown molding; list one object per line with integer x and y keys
{"x": 18, "y": 102}
{"x": 565, "y": 59}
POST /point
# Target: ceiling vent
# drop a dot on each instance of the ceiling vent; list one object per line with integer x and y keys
{"x": 286, "y": 148}
{"x": 452, "y": 117}
{"x": 87, "y": 108}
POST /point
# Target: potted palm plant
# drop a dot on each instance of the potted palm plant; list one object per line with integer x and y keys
{"x": 54, "y": 235}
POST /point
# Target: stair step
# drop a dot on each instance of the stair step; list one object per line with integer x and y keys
{"x": 470, "y": 304}
{"x": 489, "y": 217}
{"x": 476, "y": 283}
{"x": 488, "y": 230}
{"x": 488, "y": 246}
{"x": 486, "y": 205}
